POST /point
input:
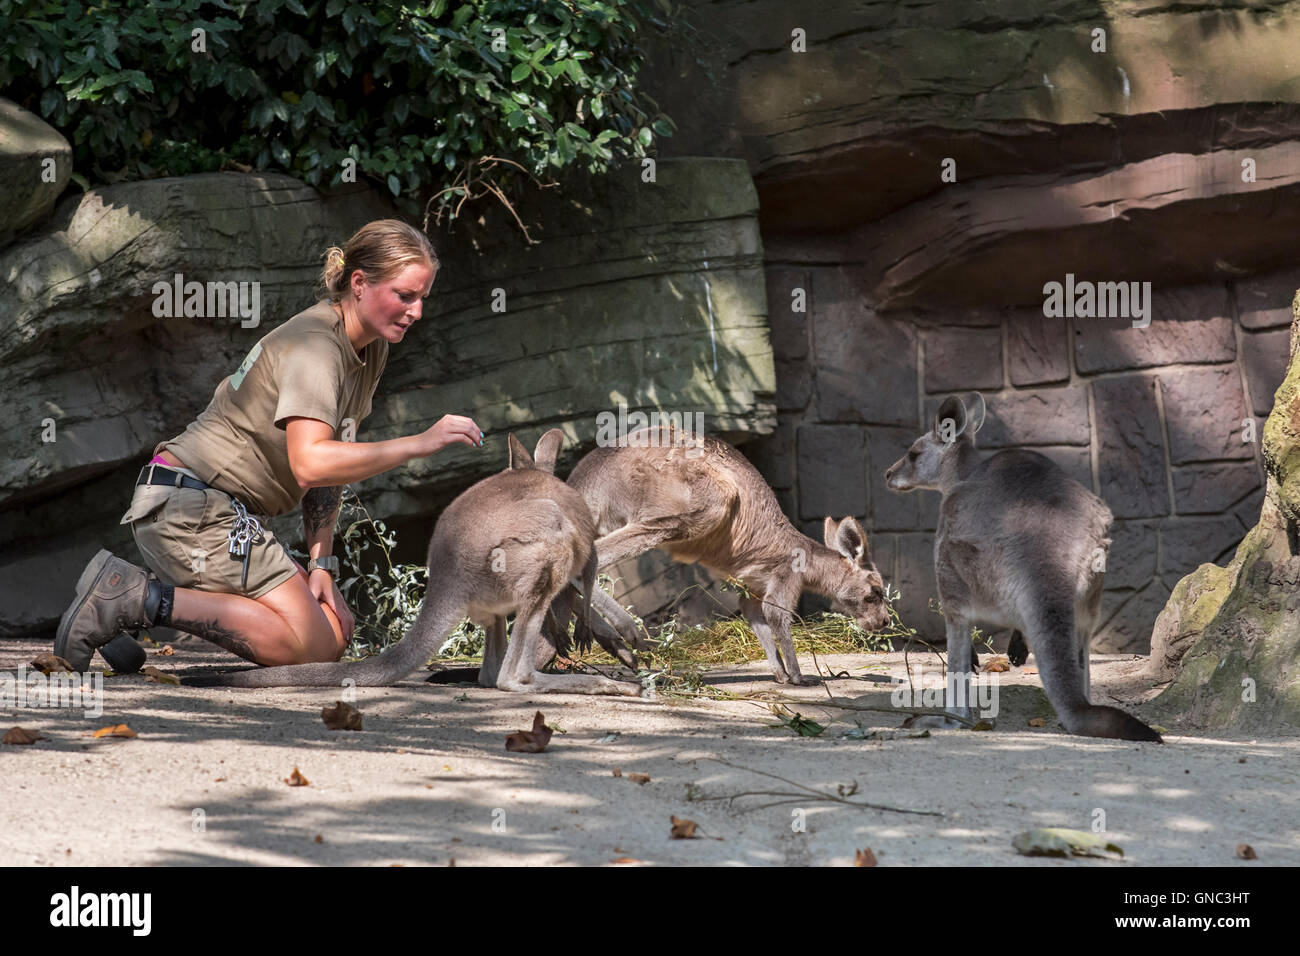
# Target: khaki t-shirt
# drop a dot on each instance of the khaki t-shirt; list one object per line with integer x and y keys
{"x": 306, "y": 367}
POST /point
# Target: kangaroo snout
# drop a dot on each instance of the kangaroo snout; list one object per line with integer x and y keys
{"x": 894, "y": 480}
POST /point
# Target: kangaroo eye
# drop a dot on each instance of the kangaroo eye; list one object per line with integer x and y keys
{"x": 913, "y": 455}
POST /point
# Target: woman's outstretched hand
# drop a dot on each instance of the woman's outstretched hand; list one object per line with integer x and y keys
{"x": 450, "y": 429}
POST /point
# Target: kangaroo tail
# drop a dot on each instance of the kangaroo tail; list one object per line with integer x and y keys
{"x": 1052, "y": 628}
{"x": 407, "y": 655}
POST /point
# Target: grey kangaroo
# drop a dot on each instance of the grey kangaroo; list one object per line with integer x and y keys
{"x": 510, "y": 543}
{"x": 700, "y": 500}
{"x": 1021, "y": 545}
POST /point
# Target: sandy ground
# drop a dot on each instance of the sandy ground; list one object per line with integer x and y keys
{"x": 428, "y": 780}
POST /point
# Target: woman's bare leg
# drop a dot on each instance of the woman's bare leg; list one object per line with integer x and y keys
{"x": 287, "y": 625}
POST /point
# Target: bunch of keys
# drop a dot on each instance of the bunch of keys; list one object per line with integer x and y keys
{"x": 244, "y": 532}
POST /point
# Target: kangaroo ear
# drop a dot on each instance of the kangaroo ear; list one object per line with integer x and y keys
{"x": 851, "y": 541}
{"x": 547, "y": 450}
{"x": 829, "y": 527}
{"x": 954, "y": 411}
{"x": 975, "y": 412}
{"x": 519, "y": 457}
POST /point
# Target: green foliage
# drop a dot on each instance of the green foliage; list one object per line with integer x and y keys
{"x": 427, "y": 99}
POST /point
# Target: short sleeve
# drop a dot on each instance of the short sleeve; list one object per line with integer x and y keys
{"x": 309, "y": 381}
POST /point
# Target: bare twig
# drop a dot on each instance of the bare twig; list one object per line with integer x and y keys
{"x": 840, "y": 705}
{"x": 814, "y": 793}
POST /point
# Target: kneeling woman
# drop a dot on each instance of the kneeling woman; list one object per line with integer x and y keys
{"x": 277, "y": 432}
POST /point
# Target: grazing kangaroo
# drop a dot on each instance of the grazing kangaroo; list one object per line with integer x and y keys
{"x": 700, "y": 500}
{"x": 511, "y": 542}
{"x": 1018, "y": 545}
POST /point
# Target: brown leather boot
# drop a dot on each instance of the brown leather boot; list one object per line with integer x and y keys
{"x": 112, "y": 595}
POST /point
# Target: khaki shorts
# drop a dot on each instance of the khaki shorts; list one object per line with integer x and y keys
{"x": 184, "y": 536}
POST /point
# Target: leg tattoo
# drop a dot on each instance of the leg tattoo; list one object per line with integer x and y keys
{"x": 216, "y": 633}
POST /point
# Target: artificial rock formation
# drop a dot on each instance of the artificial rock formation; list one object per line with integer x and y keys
{"x": 35, "y": 167}
{"x": 1229, "y": 638}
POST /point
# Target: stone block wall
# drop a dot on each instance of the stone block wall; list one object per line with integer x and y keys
{"x": 1151, "y": 419}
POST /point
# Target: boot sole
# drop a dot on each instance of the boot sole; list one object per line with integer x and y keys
{"x": 123, "y": 654}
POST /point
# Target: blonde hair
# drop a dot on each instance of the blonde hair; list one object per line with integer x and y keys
{"x": 380, "y": 249}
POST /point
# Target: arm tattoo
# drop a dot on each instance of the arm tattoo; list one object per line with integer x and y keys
{"x": 319, "y": 506}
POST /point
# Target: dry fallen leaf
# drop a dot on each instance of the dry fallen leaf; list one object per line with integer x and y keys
{"x": 683, "y": 829}
{"x": 1037, "y": 722}
{"x": 159, "y": 677}
{"x": 530, "y": 741}
{"x": 1246, "y": 852}
{"x": 618, "y": 771}
{"x": 342, "y": 716}
{"x": 625, "y": 859}
{"x": 996, "y": 665}
{"x": 1030, "y": 670}
{"x": 296, "y": 779}
{"x": 49, "y": 663}
{"x": 641, "y": 778}
{"x": 865, "y": 858}
{"x": 167, "y": 650}
{"x": 119, "y": 730}
{"x": 319, "y": 838}
{"x": 21, "y": 735}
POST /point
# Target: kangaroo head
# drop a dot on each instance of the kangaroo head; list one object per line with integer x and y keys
{"x": 543, "y": 456}
{"x": 931, "y": 462}
{"x": 863, "y": 595}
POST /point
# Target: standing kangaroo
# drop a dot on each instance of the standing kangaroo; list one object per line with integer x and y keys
{"x": 1018, "y": 545}
{"x": 700, "y": 500}
{"x": 511, "y": 542}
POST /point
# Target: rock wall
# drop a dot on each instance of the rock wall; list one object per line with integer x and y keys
{"x": 35, "y": 166}
{"x": 924, "y": 170}
{"x": 1229, "y": 638}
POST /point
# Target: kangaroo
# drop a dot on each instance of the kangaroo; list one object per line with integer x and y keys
{"x": 1017, "y": 546}
{"x": 700, "y": 500}
{"x": 510, "y": 543}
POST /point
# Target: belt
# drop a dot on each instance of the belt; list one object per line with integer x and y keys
{"x": 168, "y": 477}
{"x": 245, "y": 529}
